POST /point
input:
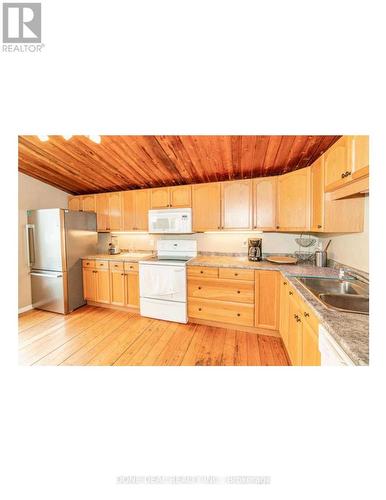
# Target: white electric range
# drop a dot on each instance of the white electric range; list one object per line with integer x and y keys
{"x": 162, "y": 281}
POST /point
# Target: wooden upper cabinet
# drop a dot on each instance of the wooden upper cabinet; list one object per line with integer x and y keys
{"x": 206, "y": 200}
{"x": 102, "y": 210}
{"x": 180, "y": 196}
{"x": 88, "y": 203}
{"x": 142, "y": 205}
{"x": 264, "y": 203}
{"x": 293, "y": 201}
{"x": 128, "y": 203}
{"x": 171, "y": 197}
{"x": 160, "y": 197}
{"x": 317, "y": 195}
{"x": 74, "y": 203}
{"x": 360, "y": 166}
{"x": 115, "y": 212}
{"x": 236, "y": 204}
{"x": 136, "y": 206}
{"x": 338, "y": 163}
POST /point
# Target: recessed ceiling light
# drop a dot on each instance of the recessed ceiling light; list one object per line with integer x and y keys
{"x": 43, "y": 137}
{"x": 67, "y": 137}
{"x": 95, "y": 138}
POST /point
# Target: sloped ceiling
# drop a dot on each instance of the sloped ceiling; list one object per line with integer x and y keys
{"x": 120, "y": 162}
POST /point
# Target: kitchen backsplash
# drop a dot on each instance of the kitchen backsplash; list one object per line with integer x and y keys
{"x": 207, "y": 242}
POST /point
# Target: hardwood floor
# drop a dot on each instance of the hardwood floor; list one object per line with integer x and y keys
{"x": 99, "y": 336}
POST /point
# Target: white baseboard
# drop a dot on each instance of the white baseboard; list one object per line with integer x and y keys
{"x": 25, "y": 309}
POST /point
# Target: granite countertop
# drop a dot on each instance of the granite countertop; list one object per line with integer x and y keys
{"x": 349, "y": 330}
{"x": 125, "y": 257}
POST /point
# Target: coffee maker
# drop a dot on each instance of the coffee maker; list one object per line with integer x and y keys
{"x": 255, "y": 249}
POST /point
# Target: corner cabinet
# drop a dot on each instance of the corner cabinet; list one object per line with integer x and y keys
{"x": 236, "y": 205}
{"x": 293, "y": 201}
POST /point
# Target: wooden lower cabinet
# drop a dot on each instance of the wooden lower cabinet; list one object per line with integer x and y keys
{"x": 267, "y": 299}
{"x": 221, "y": 311}
{"x": 224, "y": 295}
{"x": 111, "y": 282}
{"x": 132, "y": 289}
{"x": 298, "y": 328}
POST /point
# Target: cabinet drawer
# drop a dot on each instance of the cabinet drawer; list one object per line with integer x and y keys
{"x": 101, "y": 264}
{"x": 204, "y": 272}
{"x": 88, "y": 263}
{"x": 131, "y": 266}
{"x": 223, "y": 312}
{"x": 218, "y": 289}
{"x": 236, "y": 274}
{"x": 116, "y": 266}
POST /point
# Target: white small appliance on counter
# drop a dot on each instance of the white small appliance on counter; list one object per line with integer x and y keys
{"x": 170, "y": 221}
{"x": 162, "y": 281}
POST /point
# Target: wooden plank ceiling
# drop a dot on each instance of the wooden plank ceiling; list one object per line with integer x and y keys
{"x": 119, "y": 162}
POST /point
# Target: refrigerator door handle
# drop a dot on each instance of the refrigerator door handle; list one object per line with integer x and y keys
{"x": 30, "y": 238}
{"x": 47, "y": 275}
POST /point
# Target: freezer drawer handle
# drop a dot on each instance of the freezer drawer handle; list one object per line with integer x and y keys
{"x": 47, "y": 275}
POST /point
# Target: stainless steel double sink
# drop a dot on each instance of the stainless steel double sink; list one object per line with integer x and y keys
{"x": 339, "y": 294}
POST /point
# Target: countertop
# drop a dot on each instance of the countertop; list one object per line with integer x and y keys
{"x": 125, "y": 257}
{"x": 349, "y": 330}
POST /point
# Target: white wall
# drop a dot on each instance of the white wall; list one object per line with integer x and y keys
{"x": 33, "y": 194}
{"x": 352, "y": 249}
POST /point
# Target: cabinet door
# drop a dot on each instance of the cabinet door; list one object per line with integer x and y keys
{"x": 294, "y": 332}
{"x": 142, "y": 205}
{"x": 284, "y": 312}
{"x": 160, "y": 198}
{"x": 103, "y": 286}
{"x": 117, "y": 283}
{"x": 74, "y": 203}
{"x": 317, "y": 195}
{"x": 115, "y": 212}
{"x": 236, "y": 204}
{"x": 293, "y": 201}
{"x": 206, "y": 206}
{"x": 361, "y": 156}
{"x": 180, "y": 196}
{"x": 264, "y": 201}
{"x": 89, "y": 203}
{"x": 338, "y": 163}
{"x": 102, "y": 209}
{"x": 132, "y": 289}
{"x": 310, "y": 346}
{"x": 89, "y": 284}
{"x": 128, "y": 203}
{"x": 267, "y": 289}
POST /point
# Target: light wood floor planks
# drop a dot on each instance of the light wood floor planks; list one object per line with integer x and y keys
{"x": 104, "y": 337}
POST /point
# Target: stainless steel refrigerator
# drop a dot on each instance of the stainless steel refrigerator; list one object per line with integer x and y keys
{"x": 56, "y": 241}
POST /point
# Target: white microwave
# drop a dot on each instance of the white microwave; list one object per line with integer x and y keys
{"x": 170, "y": 220}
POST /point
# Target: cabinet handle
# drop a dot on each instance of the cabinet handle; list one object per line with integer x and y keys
{"x": 236, "y": 274}
{"x": 277, "y": 227}
{"x": 202, "y": 272}
{"x": 319, "y": 226}
{"x": 218, "y": 227}
{"x": 238, "y": 291}
{"x": 343, "y": 176}
{"x": 290, "y": 293}
{"x": 296, "y": 316}
{"x": 199, "y": 288}
{"x": 306, "y": 315}
{"x": 238, "y": 314}
{"x": 298, "y": 319}
{"x": 122, "y": 274}
{"x": 284, "y": 283}
{"x": 348, "y": 173}
{"x": 199, "y": 309}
